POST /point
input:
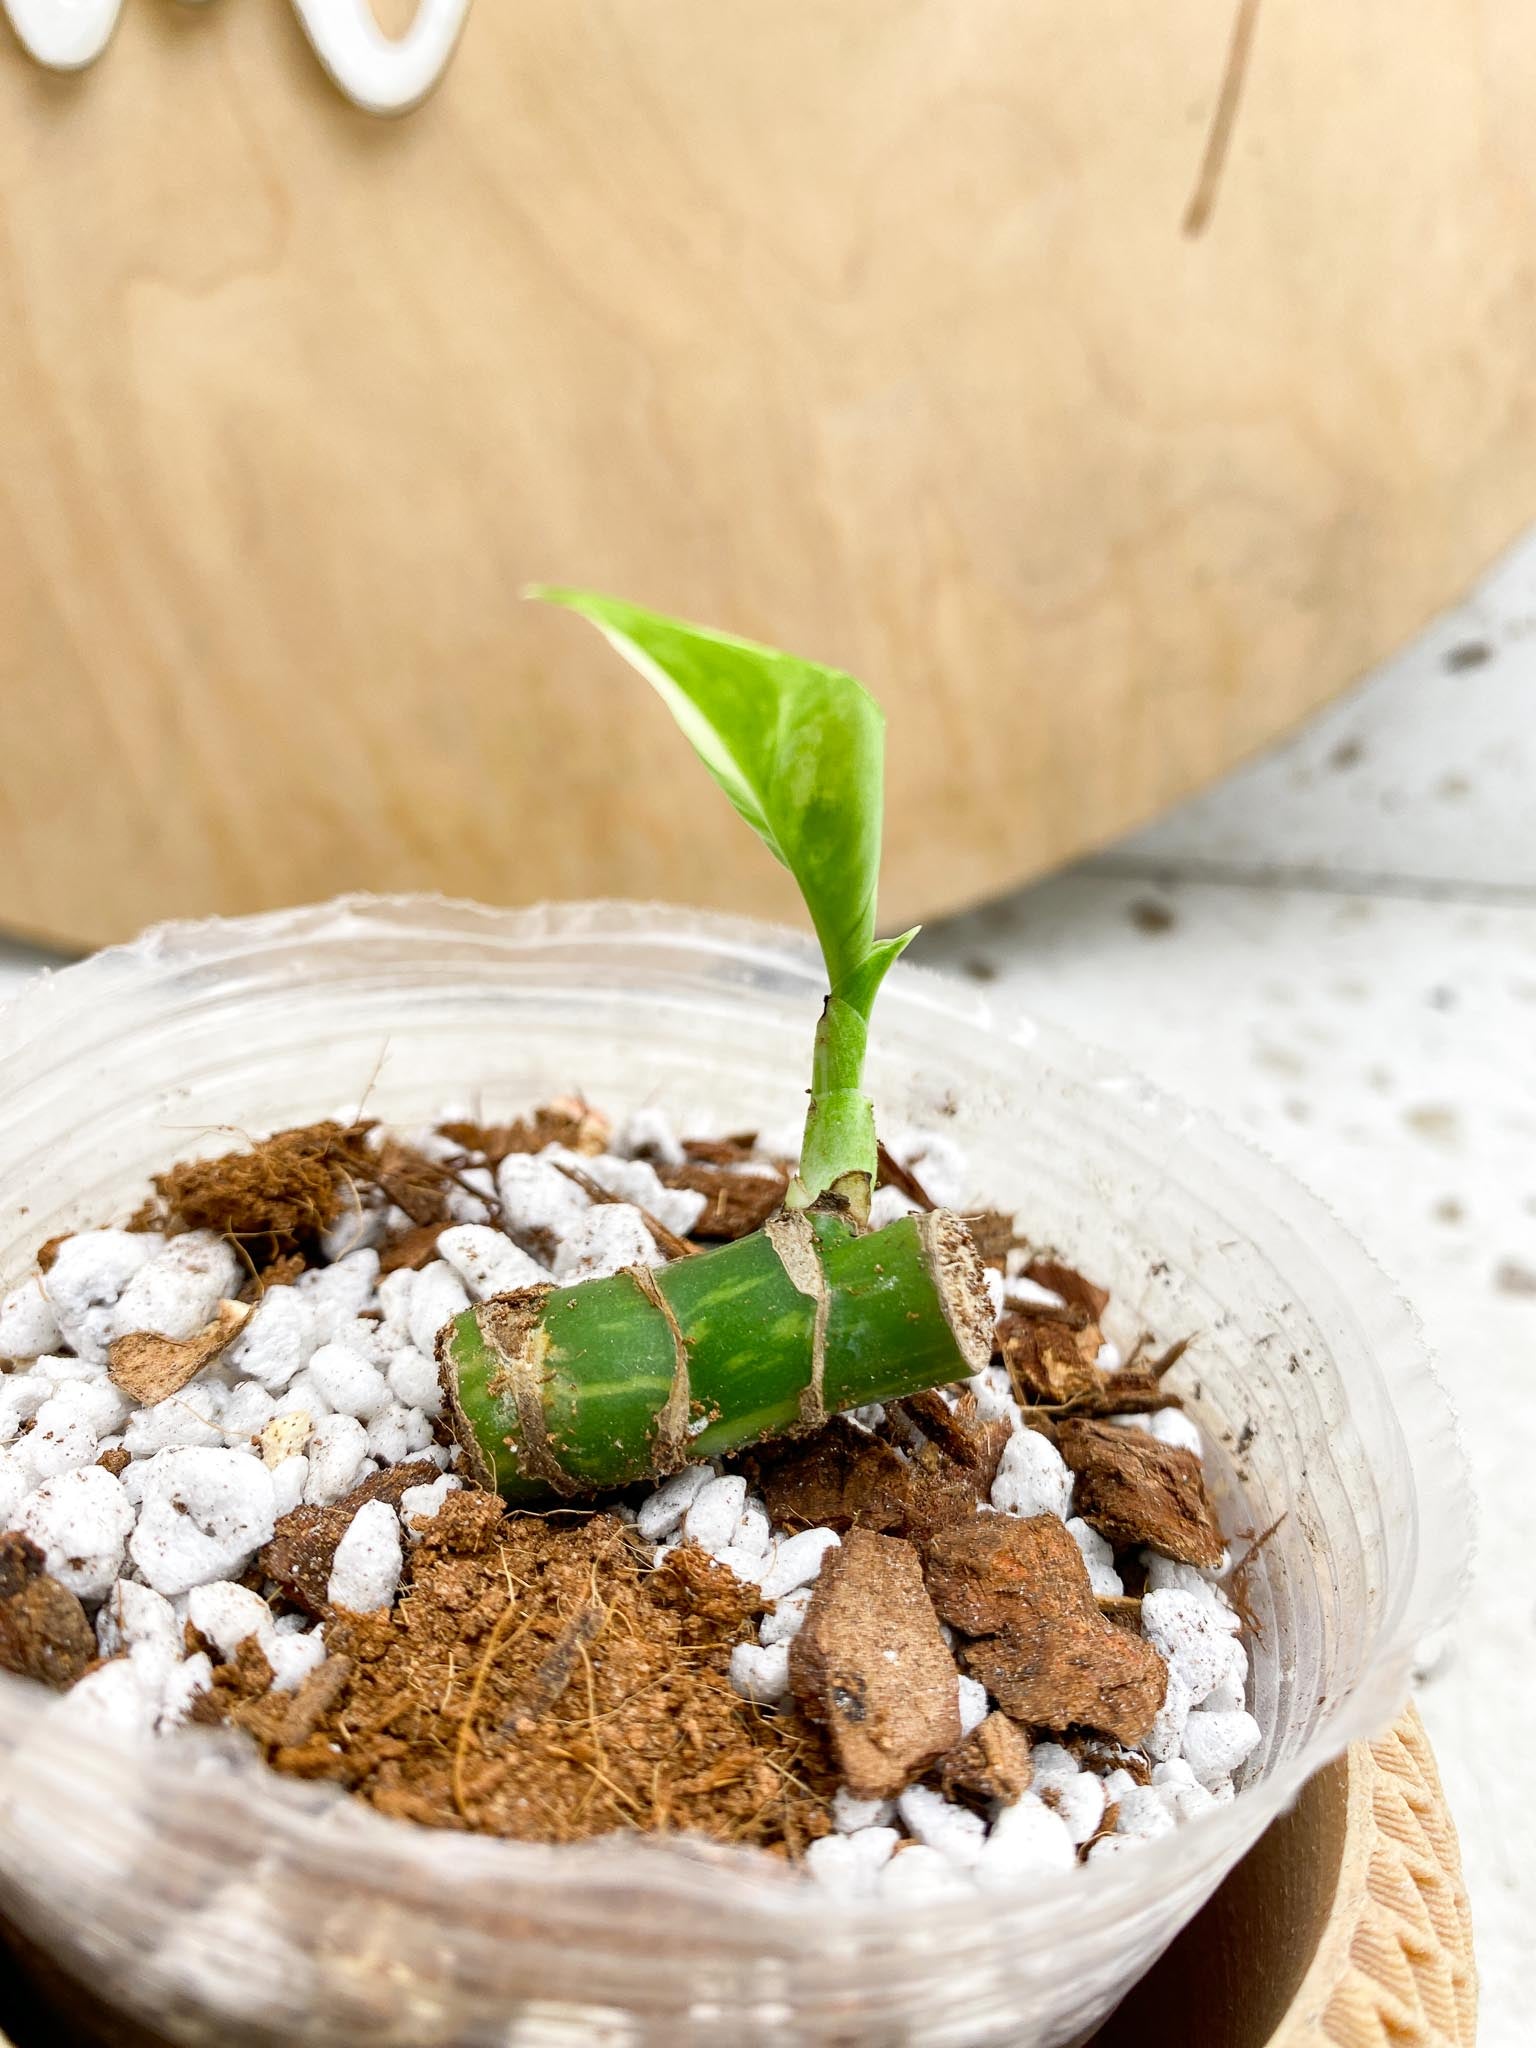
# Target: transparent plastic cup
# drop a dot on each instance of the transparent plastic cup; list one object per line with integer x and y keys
{"x": 188, "y": 1886}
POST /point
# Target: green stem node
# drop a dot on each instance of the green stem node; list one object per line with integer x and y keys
{"x": 572, "y": 1390}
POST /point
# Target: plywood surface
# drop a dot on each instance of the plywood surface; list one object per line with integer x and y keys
{"x": 871, "y": 330}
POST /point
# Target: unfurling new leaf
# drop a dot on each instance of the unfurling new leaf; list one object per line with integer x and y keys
{"x": 800, "y": 751}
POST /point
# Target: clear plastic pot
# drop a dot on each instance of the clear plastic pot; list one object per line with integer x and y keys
{"x": 188, "y": 1885}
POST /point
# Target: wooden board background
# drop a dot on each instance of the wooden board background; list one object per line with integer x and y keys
{"x": 864, "y": 327}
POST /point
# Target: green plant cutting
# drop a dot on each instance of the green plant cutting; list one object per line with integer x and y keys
{"x": 567, "y": 1391}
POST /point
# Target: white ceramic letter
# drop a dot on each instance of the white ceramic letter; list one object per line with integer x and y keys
{"x": 63, "y": 34}
{"x": 383, "y": 74}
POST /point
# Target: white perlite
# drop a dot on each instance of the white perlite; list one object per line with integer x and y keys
{"x": 334, "y": 1378}
{"x": 366, "y": 1568}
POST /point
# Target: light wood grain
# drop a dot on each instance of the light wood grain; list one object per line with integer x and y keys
{"x": 867, "y": 329}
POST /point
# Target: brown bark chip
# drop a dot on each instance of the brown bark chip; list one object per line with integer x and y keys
{"x": 150, "y": 1368}
{"x": 960, "y": 1433}
{"x": 1134, "y": 1490}
{"x": 841, "y": 1478}
{"x": 303, "y": 1544}
{"x": 993, "y": 1762}
{"x": 870, "y": 1664}
{"x": 1044, "y": 1652}
{"x": 1047, "y": 1361}
{"x": 44, "y": 1633}
{"x": 1066, "y": 1281}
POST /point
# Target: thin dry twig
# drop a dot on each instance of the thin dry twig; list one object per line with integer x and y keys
{"x": 1218, "y": 141}
{"x": 667, "y": 1240}
{"x": 894, "y": 1174}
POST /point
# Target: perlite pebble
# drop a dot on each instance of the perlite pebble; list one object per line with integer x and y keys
{"x": 753, "y": 1533}
{"x": 413, "y": 1380}
{"x": 1099, "y": 1556}
{"x": 536, "y": 1196}
{"x": 795, "y": 1560}
{"x": 58, "y": 1441}
{"x": 28, "y": 1325}
{"x": 349, "y": 1383}
{"x": 397, "y": 1433}
{"x": 183, "y": 1685}
{"x": 336, "y": 1450}
{"x": 1079, "y": 1802}
{"x": 850, "y": 1864}
{"x": 918, "y": 1876}
{"x": 418, "y": 1504}
{"x": 366, "y": 1569}
{"x": 1173, "y": 1427}
{"x": 302, "y": 1397}
{"x": 189, "y": 1418}
{"x": 89, "y": 1272}
{"x": 1167, "y": 1732}
{"x": 277, "y": 1341}
{"x": 134, "y": 1613}
{"x": 438, "y": 1296}
{"x": 246, "y": 1412}
{"x": 603, "y": 1242}
{"x": 1230, "y": 1694}
{"x": 781, "y": 1624}
{"x": 760, "y": 1674}
{"x": 289, "y": 1477}
{"x": 113, "y": 1700}
{"x": 205, "y": 1514}
{"x": 394, "y": 1297}
{"x": 958, "y": 1834}
{"x": 355, "y": 1229}
{"x": 1026, "y": 1840}
{"x": 1216, "y": 1744}
{"x": 294, "y": 1657}
{"x": 850, "y": 1814}
{"x": 225, "y": 1614}
{"x": 1142, "y": 1813}
{"x": 635, "y": 1182}
{"x": 80, "y": 1521}
{"x": 487, "y": 1262}
{"x": 334, "y": 1294}
{"x": 661, "y": 1512}
{"x": 96, "y": 1400}
{"x": 650, "y": 1134}
{"x": 178, "y": 1291}
{"x": 15, "y": 1485}
{"x": 1032, "y": 1478}
{"x": 973, "y": 1703}
{"x": 716, "y": 1509}
{"x": 1194, "y": 1637}
{"x": 993, "y": 1397}
{"x": 748, "y": 1565}
{"x": 21, "y": 1395}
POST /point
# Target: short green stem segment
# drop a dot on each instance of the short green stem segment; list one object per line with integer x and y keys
{"x": 838, "y": 1153}
{"x": 571, "y": 1390}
